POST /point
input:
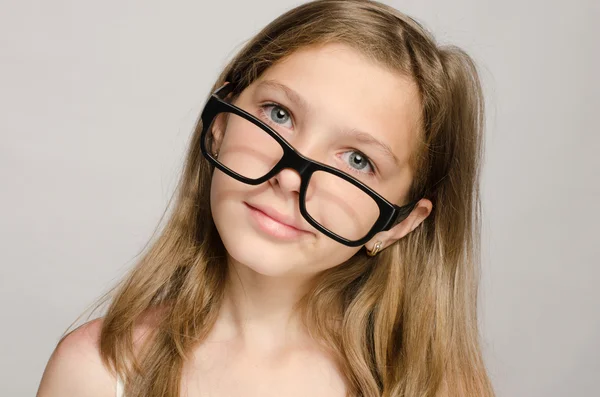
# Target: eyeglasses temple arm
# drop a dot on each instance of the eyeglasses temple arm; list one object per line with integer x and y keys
{"x": 403, "y": 212}
{"x": 223, "y": 91}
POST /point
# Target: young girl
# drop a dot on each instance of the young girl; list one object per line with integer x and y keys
{"x": 341, "y": 125}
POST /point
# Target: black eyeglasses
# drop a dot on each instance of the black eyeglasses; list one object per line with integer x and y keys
{"x": 333, "y": 202}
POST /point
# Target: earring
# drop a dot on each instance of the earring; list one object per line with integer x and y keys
{"x": 215, "y": 155}
{"x": 375, "y": 249}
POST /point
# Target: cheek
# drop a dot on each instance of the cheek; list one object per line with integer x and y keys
{"x": 226, "y": 195}
{"x": 340, "y": 206}
{"x": 227, "y": 208}
{"x": 224, "y": 192}
{"x": 218, "y": 186}
{"x": 248, "y": 150}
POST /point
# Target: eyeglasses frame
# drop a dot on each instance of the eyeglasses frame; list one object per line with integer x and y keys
{"x": 389, "y": 214}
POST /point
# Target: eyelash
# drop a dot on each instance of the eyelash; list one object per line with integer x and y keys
{"x": 269, "y": 104}
{"x": 371, "y": 174}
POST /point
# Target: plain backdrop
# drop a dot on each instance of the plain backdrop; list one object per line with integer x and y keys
{"x": 98, "y": 100}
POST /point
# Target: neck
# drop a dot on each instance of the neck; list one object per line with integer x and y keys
{"x": 258, "y": 311}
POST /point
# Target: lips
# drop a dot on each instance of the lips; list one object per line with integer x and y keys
{"x": 277, "y": 216}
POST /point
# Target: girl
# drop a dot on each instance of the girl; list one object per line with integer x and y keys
{"x": 341, "y": 125}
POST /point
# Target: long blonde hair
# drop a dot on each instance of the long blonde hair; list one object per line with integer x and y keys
{"x": 403, "y": 323}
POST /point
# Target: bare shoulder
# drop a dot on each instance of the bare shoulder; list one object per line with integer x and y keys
{"x": 75, "y": 367}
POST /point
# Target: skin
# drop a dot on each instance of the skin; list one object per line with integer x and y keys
{"x": 258, "y": 346}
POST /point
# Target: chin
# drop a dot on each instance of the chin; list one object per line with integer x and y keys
{"x": 262, "y": 257}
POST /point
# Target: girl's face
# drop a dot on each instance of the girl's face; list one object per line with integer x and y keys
{"x": 332, "y": 105}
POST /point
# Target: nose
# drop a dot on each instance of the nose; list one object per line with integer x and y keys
{"x": 288, "y": 180}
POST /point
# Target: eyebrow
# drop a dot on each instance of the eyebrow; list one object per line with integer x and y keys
{"x": 291, "y": 95}
{"x": 360, "y": 136}
{"x": 369, "y": 139}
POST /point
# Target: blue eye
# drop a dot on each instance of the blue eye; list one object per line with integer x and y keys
{"x": 358, "y": 162}
{"x": 277, "y": 115}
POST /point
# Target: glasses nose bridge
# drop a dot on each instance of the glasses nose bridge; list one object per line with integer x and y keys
{"x": 297, "y": 162}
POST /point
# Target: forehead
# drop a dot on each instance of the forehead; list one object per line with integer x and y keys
{"x": 345, "y": 90}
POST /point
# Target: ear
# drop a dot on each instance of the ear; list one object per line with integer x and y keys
{"x": 414, "y": 219}
{"x": 218, "y": 128}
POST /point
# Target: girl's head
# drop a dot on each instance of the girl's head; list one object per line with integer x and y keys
{"x": 359, "y": 87}
{"x": 334, "y": 105}
{"x": 334, "y": 88}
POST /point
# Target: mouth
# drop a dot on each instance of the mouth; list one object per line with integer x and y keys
{"x": 270, "y": 222}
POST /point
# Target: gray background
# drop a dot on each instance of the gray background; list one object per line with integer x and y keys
{"x": 98, "y": 99}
